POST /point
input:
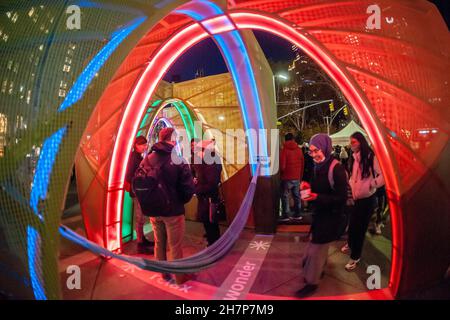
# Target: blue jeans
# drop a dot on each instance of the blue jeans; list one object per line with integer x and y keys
{"x": 291, "y": 187}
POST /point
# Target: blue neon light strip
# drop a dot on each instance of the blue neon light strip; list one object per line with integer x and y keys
{"x": 209, "y": 9}
{"x": 82, "y": 83}
{"x": 190, "y": 13}
{"x": 44, "y": 168}
{"x": 34, "y": 263}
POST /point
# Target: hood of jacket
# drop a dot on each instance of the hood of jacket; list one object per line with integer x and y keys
{"x": 162, "y": 147}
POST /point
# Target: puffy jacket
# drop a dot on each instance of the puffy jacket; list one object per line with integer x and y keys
{"x": 330, "y": 203}
{"x": 177, "y": 176}
{"x": 291, "y": 161}
{"x": 364, "y": 188}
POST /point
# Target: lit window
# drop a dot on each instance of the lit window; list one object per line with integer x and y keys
{"x": 4, "y": 84}
{"x": 11, "y": 87}
{"x": 30, "y": 13}
{"x": 14, "y": 17}
{"x": 28, "y": 96}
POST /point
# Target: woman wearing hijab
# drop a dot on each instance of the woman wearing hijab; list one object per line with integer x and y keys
{"x": 328, "y": 192}
{"x": 365, "y": 178}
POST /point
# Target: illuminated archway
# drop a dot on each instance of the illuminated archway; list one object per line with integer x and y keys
{"x": 346, "y": 77}
{"x": 392, "y": 76}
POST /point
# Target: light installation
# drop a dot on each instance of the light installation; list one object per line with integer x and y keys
{"x": 392, "y": 77}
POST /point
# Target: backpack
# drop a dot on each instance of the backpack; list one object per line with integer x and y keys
{"x": 151, "y": 191}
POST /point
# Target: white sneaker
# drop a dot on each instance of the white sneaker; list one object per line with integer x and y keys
{"x": 351, "y": 264}
{"x": 345, "y": 249}
{"x": 378, "y": 229}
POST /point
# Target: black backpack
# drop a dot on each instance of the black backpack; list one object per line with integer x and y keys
{"x": 151, "y": 191}
{"x": 344, "y": 216}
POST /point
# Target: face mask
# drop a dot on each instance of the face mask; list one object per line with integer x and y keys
{"x": 318, "y": 161}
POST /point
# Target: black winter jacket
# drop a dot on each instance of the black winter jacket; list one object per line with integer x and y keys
{"x": 133, "y": 163}
{"x": 177, "y": 176}
{"x": 330, "y": 204}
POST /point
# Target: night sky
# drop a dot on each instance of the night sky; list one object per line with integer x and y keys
{"x": 205, "y": 55}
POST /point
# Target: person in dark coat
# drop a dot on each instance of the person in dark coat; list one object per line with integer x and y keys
{"x": 177, "y": 178}
{"x": 291, "y": 167}
{"x": 207, "y": 180}
{"x": 329, "y": 205}
{"x": 140, "y": 145}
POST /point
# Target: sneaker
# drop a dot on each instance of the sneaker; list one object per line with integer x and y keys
{"x": 378, "y": 229}
{"x": 283, "y": 219}
{"x": 306, "y": 291}
{"x": 345, "y": 249}
{"x": 351, "y": 264}
{"x": 297, "y": 219}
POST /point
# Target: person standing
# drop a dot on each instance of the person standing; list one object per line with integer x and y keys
{"x": 140, "y": 145}
{"x": 207, "y": 180}
{"x": 291, "y": 167}
{"x": 365, "y": 178}
{"x": 176, "y": 179}
{"x": 329, "y": 199}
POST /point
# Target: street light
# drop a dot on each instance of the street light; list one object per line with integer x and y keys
{"x": 283, "y": 77}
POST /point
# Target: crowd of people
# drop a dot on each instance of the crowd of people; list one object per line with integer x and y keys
{"x": 343, "y": 185}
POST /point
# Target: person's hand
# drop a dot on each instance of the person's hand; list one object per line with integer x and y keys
{"x": 127, "y": 186}
{"x": 312, "y": 197}
{"x": 304, "y": 185}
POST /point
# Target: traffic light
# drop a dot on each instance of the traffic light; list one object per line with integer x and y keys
{"x": 345, "y": 111}
{"x": 331, "y": 106}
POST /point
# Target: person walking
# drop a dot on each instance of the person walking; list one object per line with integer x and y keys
{"x": 328, "y": 192}
{"x": 143, "y": 244}
{"x": 207, "y": 180}
{"x": 365, "y": 178}
{"x": 175, "y": 177}
{"x": 291, "y": 166}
